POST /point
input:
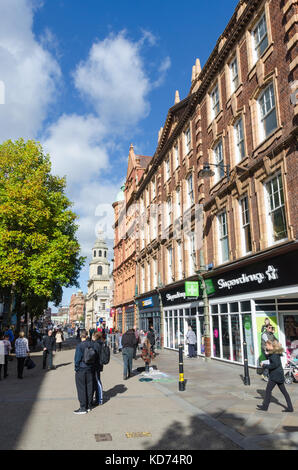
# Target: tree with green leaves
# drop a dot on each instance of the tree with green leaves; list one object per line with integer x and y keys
{"x": 39, "y": 251}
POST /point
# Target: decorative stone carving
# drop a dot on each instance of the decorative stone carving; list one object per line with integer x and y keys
{"x": 234, "y": 105}
{"x": 260, "y": 70}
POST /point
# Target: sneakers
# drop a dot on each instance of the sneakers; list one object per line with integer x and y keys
{"x": 261, "y": 408}
{"x": 80, "y": 411}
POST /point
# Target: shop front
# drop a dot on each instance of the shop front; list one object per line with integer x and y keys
{"x": 119, "y": 319}
{"x": 129, "y": 316}
{"x": 181, "y": 311}
{"x": 240, "y": 300}
{"x": 149, "y": 315}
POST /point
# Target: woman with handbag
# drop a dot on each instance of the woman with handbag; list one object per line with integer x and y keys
{"x": 22, "y": 351}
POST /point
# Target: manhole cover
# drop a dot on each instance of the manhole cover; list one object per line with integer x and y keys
{"x": 103, "y": 437}
{"x": 137, "y": 434}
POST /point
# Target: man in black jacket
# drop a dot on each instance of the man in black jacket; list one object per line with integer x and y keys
{"x": 129, "y": 342}
{"x": 49, "y": 346}
{"x": 84, "y": 375}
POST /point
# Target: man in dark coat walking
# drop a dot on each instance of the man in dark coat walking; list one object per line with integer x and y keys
{"x": 129, "y": 342}
{"x": 49, "y": 346}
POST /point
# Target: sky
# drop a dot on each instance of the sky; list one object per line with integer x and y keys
{"x": 86, "y": 78}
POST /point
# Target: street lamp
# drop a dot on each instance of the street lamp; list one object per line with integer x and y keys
{"x": 206, "y": 172}
{"x": 199, "y": 273}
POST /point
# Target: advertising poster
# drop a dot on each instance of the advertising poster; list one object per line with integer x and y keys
{"x": 260, "y": 320}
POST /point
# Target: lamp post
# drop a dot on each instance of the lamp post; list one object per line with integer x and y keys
{"x": 206, "y": 172}
{"x": 199, "y": 273}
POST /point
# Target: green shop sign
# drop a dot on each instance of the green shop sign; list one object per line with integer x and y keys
{"x": 191, "y": 289}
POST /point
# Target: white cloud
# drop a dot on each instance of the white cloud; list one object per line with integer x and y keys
{"x": 29, "y": 72}
{"x": 114, "y": 82}
{"x": 75, "y": 144}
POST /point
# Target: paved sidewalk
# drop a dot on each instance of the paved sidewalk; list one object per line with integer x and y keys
{"x": 216, "y": 391}
{"x": 216, "y": 411}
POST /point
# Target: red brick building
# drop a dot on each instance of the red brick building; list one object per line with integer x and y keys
{"x": 77, "y": 308}
{"x": 231, "y": 147}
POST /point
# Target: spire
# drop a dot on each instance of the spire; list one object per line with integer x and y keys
{"x": 198, "y": 67}
{"x": 177, "y": 97}
{"x": 193, "y": 75}
{"x": 159, "y": 133}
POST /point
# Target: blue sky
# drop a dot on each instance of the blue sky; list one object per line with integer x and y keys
{"x": 87, "y": 78}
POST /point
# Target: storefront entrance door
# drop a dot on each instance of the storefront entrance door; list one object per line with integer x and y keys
{"x": 288, "y": 327}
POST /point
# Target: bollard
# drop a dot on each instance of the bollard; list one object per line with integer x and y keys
{"x": 181, "y": 374}
{"x": 246, "y": 371}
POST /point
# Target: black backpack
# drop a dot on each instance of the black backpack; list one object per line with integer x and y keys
{"x": 104, "y": 354}
{"x": 89, "y": 356}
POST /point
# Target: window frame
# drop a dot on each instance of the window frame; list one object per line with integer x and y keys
{"x": 187, "y": 140}
{"x": 232, "y": 77}
{"x": 262, "y": 118}
{"x": 223, "y": 236}
{"x": 190, "y": 192}
{"x": 245, "y": 214}
{"x": 270, "y": 211}
{"x": 215, "y": 105}
{"x": 239, "y": 143}
{"x": 219, "y": 170}
{"x": 256, "y": 45}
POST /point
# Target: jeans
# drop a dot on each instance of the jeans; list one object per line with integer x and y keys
{"x": 127, "y": 354}
{"x": 47, "y": 353}
{"x": 97, "y": 388}
{"x": 191, "y": 350}
{"x": 282, "y": 388}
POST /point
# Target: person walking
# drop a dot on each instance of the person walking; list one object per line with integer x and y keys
{"x": 151, "y": 337}
{"x": 98, "y": 342}
{"x": 59, "y": 340}
{"x": 7, "y": 351}
{"x": 49, "y": 346}
{"x": 84, "y": 372}
{"x": 137, "y": 335}
{"x": 22, "y": 351}
{"x": 9, "y": 331}
{"x": 267, "y": 335}
{"x": 276, "y": 376}
{"x": 191, "y": 341}
{"x": 128, "y": 346}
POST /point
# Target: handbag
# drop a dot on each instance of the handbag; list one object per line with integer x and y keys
{"x": 29, "y": 363}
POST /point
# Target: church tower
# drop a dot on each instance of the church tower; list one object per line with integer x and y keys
{"x": 98, "y": 297}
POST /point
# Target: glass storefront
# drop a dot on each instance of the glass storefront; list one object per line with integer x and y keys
{"x": 177, "y": 321}
{"x": 130, "y": 318}
{"x": 231, "y": 322}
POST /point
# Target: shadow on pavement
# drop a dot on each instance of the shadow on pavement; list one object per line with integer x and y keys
{"x": 198, "y": 435}
{"x": 113, "y": 392}
{"x": 18, "y": 397}
{"x": 62, "y": 365}
{"x": 272, "y": 400}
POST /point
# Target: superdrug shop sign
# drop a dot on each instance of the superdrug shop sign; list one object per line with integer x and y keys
{"x": 275, "y": 272}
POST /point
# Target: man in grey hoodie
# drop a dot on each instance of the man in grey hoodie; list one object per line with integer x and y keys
{"x": 191, "y": 340}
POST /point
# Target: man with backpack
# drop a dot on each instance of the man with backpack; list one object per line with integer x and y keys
{"x": 102, "y": 358}
{"x": 85, "y": 361}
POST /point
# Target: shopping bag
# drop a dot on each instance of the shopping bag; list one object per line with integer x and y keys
{"x": 29, "y": 363}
